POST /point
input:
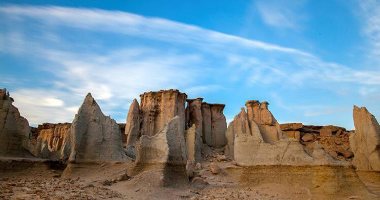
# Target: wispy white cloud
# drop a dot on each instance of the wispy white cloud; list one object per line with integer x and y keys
{"x": 370, "y": 13}
{"x": 281, "y": 14}
{"x": 193, "y": 54}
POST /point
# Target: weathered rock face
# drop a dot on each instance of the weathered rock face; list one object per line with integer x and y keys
{"x": 132, "y": 127}
{"x": 268, "y": 125}
{"x": 95, "y": 137}
{"x": 206, "y": 124}
{"x": 14, "y": 129}
{"x": 248, "y": 146}
{"x": 218, "y": 125}
{"x": 333, "y": 139}
{"x": 365, "y": 142}
{"x": 51, "y": 142}
{"x": 158, "y": 108}
{"x": 166, "y": 147}
{"x": 214, "y": 125}
{"x": 191, "y": 143}
{"x": 194, "y": 118}
{"x": 248, "y": 133}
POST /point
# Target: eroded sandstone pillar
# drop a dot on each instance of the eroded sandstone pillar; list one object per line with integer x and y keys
{"x": 194, "y": 113}
{"x": 268, "y": 125}
{"x": 365, "y": 142}
{"x": 158, "y": 108}
{"x": 218, "y": 125}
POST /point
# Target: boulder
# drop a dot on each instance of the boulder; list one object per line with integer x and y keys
{"x": 166, "y": 147}
{"x": 95, "y": 137}
{"x": 365, "y": 142}
{"x": 14, "y": 129}
{"x": 307, "y": 137}
{"x": 214, "y": 168}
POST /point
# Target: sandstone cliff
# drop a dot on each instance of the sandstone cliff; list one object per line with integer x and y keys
{"x": 158, "y": 108}
{"x": 95, "y": 137}
{"x": 365, "y": 142}
{"x": 52, "y": 141}
{"x": 14, "y": 129}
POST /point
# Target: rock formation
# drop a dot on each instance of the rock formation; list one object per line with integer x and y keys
{"x": 250, "y": 145}
{"x": 52, "y": 141}
{"x": 158, "y": 108}
{"x": 166, "y": 147}
{"x": 333, "y": 139}
{"x": 193, "y": 154}
{"x": 95, "y": 137}
{"x": 14, "y": 129}
{"x": 194, "y": 118}
{"x": 365, "y": 142}
{"x": 214, "y": 125}
{"x": 268, "y": 125}
{"x": 132, "y": 127}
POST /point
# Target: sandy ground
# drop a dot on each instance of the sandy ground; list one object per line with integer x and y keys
{"x": 39, "y": 179}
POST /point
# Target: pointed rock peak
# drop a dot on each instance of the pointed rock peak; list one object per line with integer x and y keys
{"x": 135, "y": 103}
{"x": 89, "y": 100}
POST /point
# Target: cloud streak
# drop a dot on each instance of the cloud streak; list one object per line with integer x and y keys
{"x": 149, "y": 54}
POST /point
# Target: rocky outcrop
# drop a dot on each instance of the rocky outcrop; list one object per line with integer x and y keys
{"x": 214, "y": 125}
{"x": 94, "y": 137}
{"x": 166, "y": 147}
{"x": 365, "y": 142}
{"x": 218, "y": 125}
{"x": 158, "y": 108}
{"x": 206, "y": 124}
{"x": 52, "y": 141}
{"x": 132, "y": 127}
{"x": 14, "y": 129}
{"x": 249, "y": 146}
{"x": 332, "y": 139}
{"x": 194, "y": 118}
{"x": 268, "y": 125}
{"x": 191, "y": 144}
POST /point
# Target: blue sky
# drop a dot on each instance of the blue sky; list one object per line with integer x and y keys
{"x": 312, "y": 60}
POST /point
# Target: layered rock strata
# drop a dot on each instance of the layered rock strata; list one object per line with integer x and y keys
{"x": 95, "y": 137}
{"x": 52, "y": 141}
{"x": 166, "y": 147}
{"x": 158, "y": 108}
{"x": 14, "y": 129}
{"x": 333, "y": 139}
{"x": 248, "y": 147}
{"x": 365, "y": 142}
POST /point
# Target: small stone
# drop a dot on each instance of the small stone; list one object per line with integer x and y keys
{"x": 214, "y": 168}
{"x": 221, "y": 158}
